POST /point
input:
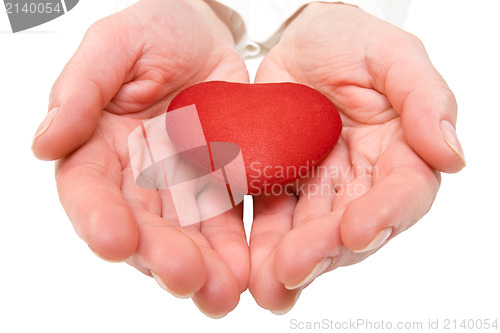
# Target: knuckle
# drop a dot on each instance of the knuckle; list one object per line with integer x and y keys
{"x": 98, "y": 27}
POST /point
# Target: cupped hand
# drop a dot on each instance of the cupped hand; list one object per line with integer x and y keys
{"x": 383, "y": 175}
{"x": 126, "y": 70}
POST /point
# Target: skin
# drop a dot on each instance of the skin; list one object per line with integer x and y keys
{"x": 100, "y": 100}
{"x": 339, "y": 50}
{"x": 382, "y": 173}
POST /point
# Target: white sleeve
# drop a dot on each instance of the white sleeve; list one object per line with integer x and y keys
{"x": 257, "y": 24}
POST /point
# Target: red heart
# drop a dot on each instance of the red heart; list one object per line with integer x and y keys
{"x": 283, "y": 129}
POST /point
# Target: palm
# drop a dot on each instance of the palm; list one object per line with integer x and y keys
{"x": 126, "y": 221}
{"x": 372, "y": 180}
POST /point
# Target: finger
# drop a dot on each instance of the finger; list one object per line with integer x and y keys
{"x": 225, "y": 253}
{"x": 227, "y": 237}
{"x": 223, "y": 247}
{"x": 421, "y": 96}
{"x": 182, "y": 260}
{"x": 272, "y": 220}
{"x": 227, "y": 260}
{"x": 314, "y": 246}
{"x": 404, "y": 188}
{"x": 173, "y": 259}
{"x": 316, "y": 196}
{"x": 308, "y": 251}
{"x": 185, "y": 265}
{"x": 269, "y": 292}
{"x": 223, "y": 232}
{"x": 318, "y": 191}
{"x": 85, "y": 86}
{"x": 166, "y": 253}
{"x": 88, "y": 182}
{"x": 221, "y": 292}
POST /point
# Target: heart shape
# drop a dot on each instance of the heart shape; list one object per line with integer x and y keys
{"x": 283, "y": 129}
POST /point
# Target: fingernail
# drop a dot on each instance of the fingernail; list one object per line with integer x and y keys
{"x": 451, "y": 138}
{"x": 164, "y": 286}
{"x": 44, "y": 126}
{"x": 319, "y": 269}
{"x": 101, "y": 257}
{"x": 377, "y": 242}
{"x": 286, "y": 310}
{"x": 209, "y": 315}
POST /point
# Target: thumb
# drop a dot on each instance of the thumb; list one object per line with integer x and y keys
{"x": 427, "y": 106}
{"x": 86, "y": 85}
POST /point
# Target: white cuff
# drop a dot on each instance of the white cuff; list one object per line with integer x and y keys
{"x": 256, "y": 24}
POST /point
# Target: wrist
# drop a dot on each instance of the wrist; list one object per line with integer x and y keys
{"x": 309, "y": 11}
{"x": 218, "y": 19}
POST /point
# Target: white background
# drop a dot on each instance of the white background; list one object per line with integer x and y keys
{"x": 446, "y": 266}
